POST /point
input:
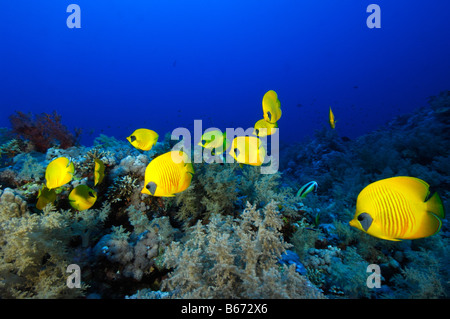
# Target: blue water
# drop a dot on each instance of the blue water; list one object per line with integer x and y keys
{"x": 163, "y": 64}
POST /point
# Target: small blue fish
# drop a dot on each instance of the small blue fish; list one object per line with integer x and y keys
{"x": 307, "y": 188}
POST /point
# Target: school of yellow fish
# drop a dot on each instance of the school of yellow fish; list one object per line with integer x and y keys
{"x": 393, "y": 209}
{"x": 58, "y": 173}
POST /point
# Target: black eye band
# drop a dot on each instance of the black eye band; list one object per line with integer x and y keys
{"x": 151, "y": 187}
{"x": 365, "y": 220}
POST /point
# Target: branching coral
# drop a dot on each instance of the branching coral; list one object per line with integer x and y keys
{"x": 213, "y": 189}
{"x": 348, "y": 275}
{"x": 35, "y": 250}
{"x": 424, "y": 277}
{"x": 122, "y": 188}
{"x": 225, "y": 188}
{"x": 44, "y": 130}
{"x": 134, "y": 254}
{"x": 235, "y": 259}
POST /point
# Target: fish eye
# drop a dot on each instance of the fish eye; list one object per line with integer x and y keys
{"x": 365, "y": 220}
{"x": 91, "y": 194}
{"x": 257, "y": 132}
{"x": 236, "y": 151}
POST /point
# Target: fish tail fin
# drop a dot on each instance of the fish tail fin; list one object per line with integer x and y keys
{"x": 435, "y": 206}
{"x": 189, "y": 168}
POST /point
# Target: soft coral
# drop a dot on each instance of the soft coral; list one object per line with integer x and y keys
{"x": 44, "y": 131}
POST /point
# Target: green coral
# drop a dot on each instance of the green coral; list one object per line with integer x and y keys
{"x": 213, "y": 189}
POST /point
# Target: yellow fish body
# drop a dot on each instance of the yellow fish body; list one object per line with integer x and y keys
{"x": 398, "y": 208}
{"x": 143, "y": 139}
{"x": 216, "y": 141}
{"x": 331, "y": 119}
{"x": 248, "y": 150}
{"x": 271, "y": 107}
{"x": 99, "y": 171}
{"x": 59, "y": 172}
{"x": 82, "y": 197}
{"x": 264, "y": 128}
{"x": 45, "y": 196}
{"x": 168, "y": 174}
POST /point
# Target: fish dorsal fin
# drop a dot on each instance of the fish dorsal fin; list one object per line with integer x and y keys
{"x": 412, "y": 187}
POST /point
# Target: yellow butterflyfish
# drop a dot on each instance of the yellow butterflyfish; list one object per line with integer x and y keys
{"x": 248, "y": 150}
{"x": 331, "y": 119}
{"x": 271, "y": 107}
{"x": 45, "y": 196}
{"x": 168, "y": 174}
{"x": 99, "y": 171}
{"x": 398, "y": 208}
{"x": 143, "y": 139}
{"x": 215, "y": 140}
{"x": 59, "y": 172}
{"x": 264, "y": 128}
{"x": 82, "y": 197}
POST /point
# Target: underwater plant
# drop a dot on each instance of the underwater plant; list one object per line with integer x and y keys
{"x": 43, "y": 131}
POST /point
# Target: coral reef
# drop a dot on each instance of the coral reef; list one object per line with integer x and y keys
{"x": 11, "y": 204}
{"x": 34, "y": 250}
{"x": 43, "y": 131}
{"x": 234, "y": 233}
{"x": 215, "y": 263}
{"x": 440, "y": 104}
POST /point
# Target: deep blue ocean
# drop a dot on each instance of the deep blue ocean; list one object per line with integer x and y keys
{"x": 163, "y": 64}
